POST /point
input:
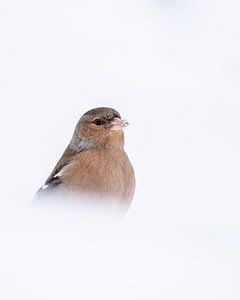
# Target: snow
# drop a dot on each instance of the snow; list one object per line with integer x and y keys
{"x": 172, "y": 69}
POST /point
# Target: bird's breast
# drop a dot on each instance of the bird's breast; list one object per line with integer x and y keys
{"x": 106, "y": 174}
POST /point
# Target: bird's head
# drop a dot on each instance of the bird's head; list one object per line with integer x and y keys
{"x": 100, "y": 127}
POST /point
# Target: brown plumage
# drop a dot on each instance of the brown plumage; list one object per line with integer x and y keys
{"x": 95, "y": 165}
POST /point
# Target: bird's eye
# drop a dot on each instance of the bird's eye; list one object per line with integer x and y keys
{"x": 99, "y": 122}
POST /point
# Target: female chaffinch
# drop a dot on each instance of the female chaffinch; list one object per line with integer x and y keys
{"x": 94, "y": 165}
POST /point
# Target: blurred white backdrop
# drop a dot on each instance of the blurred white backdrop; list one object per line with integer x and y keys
{"x": 172, "y": 68}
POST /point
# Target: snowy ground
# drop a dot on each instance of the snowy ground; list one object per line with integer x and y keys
{"x": 172, "y": 68}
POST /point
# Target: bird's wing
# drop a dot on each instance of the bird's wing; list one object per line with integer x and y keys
{"x": 55, "y": 179}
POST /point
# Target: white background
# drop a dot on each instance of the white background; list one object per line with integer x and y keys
{"x": 172, "y": 68}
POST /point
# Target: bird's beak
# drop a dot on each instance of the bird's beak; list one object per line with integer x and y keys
{"x": 118, "y": 124}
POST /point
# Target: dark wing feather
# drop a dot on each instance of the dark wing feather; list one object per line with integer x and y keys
{"x": 55, "y": 180}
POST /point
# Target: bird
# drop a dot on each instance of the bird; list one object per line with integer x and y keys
{"x": 94, "y": 168}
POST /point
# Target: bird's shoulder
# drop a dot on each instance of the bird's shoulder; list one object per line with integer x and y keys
{"x": 55, "y": 178}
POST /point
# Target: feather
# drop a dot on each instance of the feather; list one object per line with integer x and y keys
{"x": 56, "y": 177}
